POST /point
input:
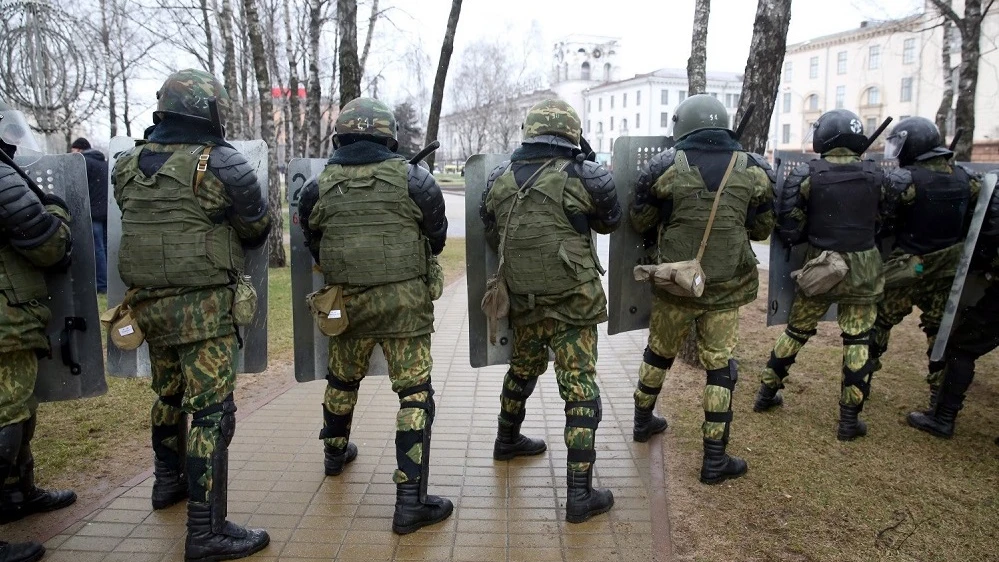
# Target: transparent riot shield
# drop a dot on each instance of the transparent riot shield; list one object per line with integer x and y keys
{"x": 252, "y": 357}
{"x": 75, "y": 368}
{"x": 629, "y": 301}
{"x": 311, "y": 346}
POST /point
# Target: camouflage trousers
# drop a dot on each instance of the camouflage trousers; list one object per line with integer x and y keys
{"x": 575, "y": 349}
{"x": 717, "y": 336}
{"x": 855, "y": 321}
{"x": 931, "y": 298}
{"x": 18, "y": 370}
{"x": 409, "y": 366}
{"x": 190, "y": 378}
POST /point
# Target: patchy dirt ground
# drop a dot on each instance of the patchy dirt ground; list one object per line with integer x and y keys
{"x": 897, "y": 494}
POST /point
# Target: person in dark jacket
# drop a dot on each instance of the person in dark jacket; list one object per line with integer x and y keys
{"x": 97, "y": 177}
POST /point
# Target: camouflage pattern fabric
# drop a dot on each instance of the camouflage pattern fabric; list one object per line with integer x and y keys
{"x": 553, "y": 117}
{"x": 717, "y": 336}
{"x": 931, "y": 298}
{"x": 854, "y": 320}
{"x": 366, "y": 116}
{"x": 575, "y": 349}
{"x": 18, "y": 370}
{"x": 409, "y": 364}
{"x": 203, "y": 373}
{"x": 186, "y": 92}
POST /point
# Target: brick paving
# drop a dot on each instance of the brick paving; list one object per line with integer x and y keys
{"x": 503, "y": 510}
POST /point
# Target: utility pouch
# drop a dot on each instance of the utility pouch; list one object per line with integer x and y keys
{"x": 684, "y": 278}
{"x": 902, "y": 271}
{"x": 244, "y": 301}
{"x": 121, "y": 327}
{"x": 326, "y": 306}
{"x": 820, "y": 274}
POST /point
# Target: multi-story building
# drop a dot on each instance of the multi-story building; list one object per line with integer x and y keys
{"x": 644, "y": 105}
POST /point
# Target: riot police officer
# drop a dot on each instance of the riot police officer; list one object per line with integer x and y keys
{"x": 834, "y": 204}
{"x": 190, "y": 204}
{"x": 34, "y": 238}
{"x": 928, "y": 207}
{"x": 374, "y": 224}
{"x": 541, "y": 206}
{"x": 676, "y": 199}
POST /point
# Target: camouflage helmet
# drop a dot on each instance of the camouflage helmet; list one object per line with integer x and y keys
{"x": 698, "y": 113}
{"x": 367, "y": 117}
{"x": 553, "y": 117}
{"x": 186, "y": 92}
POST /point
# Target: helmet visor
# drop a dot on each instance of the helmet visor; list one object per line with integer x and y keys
{"x": 894, "y": 144}
{"x": 14, "y": 130}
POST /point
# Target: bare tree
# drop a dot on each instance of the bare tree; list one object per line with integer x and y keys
{"x": 697, "y": 81}
{"x": 763, "y": 67}
{"x": 970, "y": 29}
{"x": 294, "y": 83}
{"x": 255, "y": 34}
{"x": 235, "y": 124}
{"x": 947, "y": 100}
{"x": 368, "y": 36}
{"x": 447, "y": 47}
{"x": 350, "y": 66}
{"x": 316, "y": 18}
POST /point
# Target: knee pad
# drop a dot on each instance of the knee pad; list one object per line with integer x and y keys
{"x": 175, "y": 401}
{"x": 526, "y": 384}
{"x": 226, "y": 423}
{"x": 406, "y": 440}
{"x": 863, "y": 338}
{"x": 726, "y": 377}
{"x": 583, "y": 422}
{"x": 342, "y": 385}
{"x": 335, "y": 425}
{"x": 799, "y": 335}
{"x": 655, "y": 360}
{"x": 780, "y": 365}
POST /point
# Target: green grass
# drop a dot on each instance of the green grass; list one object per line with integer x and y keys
{"x": 452, "y": 260}
{"x": 450, "y": 180}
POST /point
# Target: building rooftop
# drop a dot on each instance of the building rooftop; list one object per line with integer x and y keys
{"x": 670, "y": 74}
{"x": 866, "y": 29}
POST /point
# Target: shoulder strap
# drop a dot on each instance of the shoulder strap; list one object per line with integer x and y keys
{"x": 522, "y": 192}
{"x": 680, "y": 161}
{"x": 202, "y": 167}
{"x": 714, "y": 206}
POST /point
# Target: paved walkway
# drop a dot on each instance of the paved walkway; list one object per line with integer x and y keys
{"x": 503, "y": 510}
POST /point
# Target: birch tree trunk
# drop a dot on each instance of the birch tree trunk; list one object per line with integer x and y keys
{"x": 255, "y": 35}
{"x": 763, "y": 68}
{"x": 234, "y": 128}
{"x": 295, "y": 137}
{"x": 437, "y": 99}
{"x": 350, "y": 71}
{"x": 314, "y": 110}
{"x": 947, "y": 100}
{"x": 367, "y": 39}
{"x": 206, "y": 23}
{"x": 697, "y": 81}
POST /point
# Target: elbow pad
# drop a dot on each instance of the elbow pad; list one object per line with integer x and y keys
{"x": 240, "y": 180}
{"x": 425, "y": 192}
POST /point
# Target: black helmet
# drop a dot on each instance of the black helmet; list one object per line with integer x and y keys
{"x": 838, "y": 128}
{"x": 915, "y": 139}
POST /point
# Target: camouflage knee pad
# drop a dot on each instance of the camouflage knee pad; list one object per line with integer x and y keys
{"x": 581, "y": 421}
{"x": 718, "y": 390}
{"x": 412, "y": 440}
{"x": 212, "y": 430}
{"x": 651, "y": 375}
{"x": 856, "y": 378}
{"x": 336, "y": 426}
{"x": 513, "y": 399}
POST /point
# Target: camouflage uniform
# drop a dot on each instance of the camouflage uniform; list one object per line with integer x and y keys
{"x": 690, "y": 172}
{"x": 540, "y": 207}
{"x": 34, "y": 237}
{"x": 374, "y": 225}
{"x": 181, "y": 273}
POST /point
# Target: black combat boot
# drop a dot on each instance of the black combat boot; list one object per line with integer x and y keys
{"x": 718, "y": 466}
{"x": 582, "y": 501}
{"x": 210, "y": 537}
{"x": 850, "y": 426}
{"x": 21, "y": 551}
{"x": 767, "y": 398}
{"x": 939, "y": 422}
{"x": 934, "y": 397}
{"x": 170, "y": 484}
{"x": 335, "y": 459}
{"x": 23, "y": 498}
{"x": 510, "y": 443}
{"x": 647, "y": 424}
{"x": 412, "y": 512}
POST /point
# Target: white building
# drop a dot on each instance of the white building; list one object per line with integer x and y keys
{"x": 644, "y": 105}
{"x": 877, "y": 70}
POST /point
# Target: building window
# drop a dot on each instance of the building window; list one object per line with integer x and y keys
{"x": 611, "y": 145}
{"x": 908, "y": 51}
{"x": 589, "y": 106}
{"x": 638, "y": 120}
{"x": 600, "y": 104}
{"x": 612, "y": 102}
{"x": 664, "y": 97}
{"x": 624, "y": 99}
{"x": 906, "y": 89}
{"x": 785, "y": 133}
{"x": 600, "y": 126}
{"x": 624, "y": 126}
{"x": 787, "y": 102}
{"x": 813, "y": 102}
{"x": 787, "y": 71}
{"x": 612, "y": 123}
{"x": 584, "y": 71}
{"x": 638, "y": 97}
{"x": 664, "y": 120}
{"x": 873, "y": 96}
{"x": 607, "y": 71}
{"x": 813, "y": 67}
{"x": 587, "y": 126}
{"x": 841, "y": 62}
{"x": 732, "y": 100}
{"x": 840, "y": 96}
{"x": 874, "y": 57}
{"x": 683, "y": 95}
{"x": 872, "y": 124}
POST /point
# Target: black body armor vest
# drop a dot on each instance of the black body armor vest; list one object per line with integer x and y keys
{"x": 843, "y": 205}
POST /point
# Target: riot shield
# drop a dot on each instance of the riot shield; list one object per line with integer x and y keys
{"x": 968, "y": 286}
{"x": 311, "y": 346}
{"x": 252, "y": 357}
{"x": 629, "y": 301}
{"x": 481, "y": 261}
{"x": 75, "y": 368}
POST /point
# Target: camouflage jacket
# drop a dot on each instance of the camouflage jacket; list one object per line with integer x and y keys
{"x": 652, "y": 212}
{"x": 23, "y": 326}
{"x": 178, "y": 315}
{"x": 585, "y": 304}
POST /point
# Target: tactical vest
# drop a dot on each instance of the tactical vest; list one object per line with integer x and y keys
{"x": 20, "y": 281}
{"x": 935, "y": 219}
{"x": 167, "y": 238}
{"x": 371, "y": 229}
{"x": 543, "y": 254}
{"x": 843, "y": 205}
{"x": 728, "y": 243}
